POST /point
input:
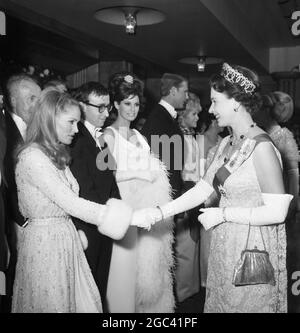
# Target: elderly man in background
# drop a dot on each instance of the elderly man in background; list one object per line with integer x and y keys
{"x": 22, "y": 93}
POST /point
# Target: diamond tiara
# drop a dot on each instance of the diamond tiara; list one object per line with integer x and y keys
{"x": 233, "y": 76}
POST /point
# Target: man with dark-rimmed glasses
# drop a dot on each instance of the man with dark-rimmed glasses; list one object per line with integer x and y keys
{"x": 95, "y": 185}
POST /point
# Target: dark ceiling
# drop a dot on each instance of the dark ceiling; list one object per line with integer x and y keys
{"x": 65, "y": 35}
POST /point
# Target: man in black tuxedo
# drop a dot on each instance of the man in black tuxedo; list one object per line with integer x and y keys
{"x": 164, "y": 135}
{"x": 162, "y": 130}
{"x": 96, "y": 183}
{"x": 22, "y": 93}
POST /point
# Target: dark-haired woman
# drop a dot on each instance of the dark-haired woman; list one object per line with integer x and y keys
{"x": 52, "y": 274}
{"x": 140, "y": 272}
{"x": 246, "y": 174}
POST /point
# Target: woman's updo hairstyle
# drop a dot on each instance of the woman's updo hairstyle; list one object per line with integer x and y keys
{"x": 239, "y": 83}
{"x": 124, "y": 84}
{"x": 280, "y": 105}
{"x": 192, "y": 104}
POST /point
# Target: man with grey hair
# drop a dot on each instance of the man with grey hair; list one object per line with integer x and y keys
{"x": 22, "y": 93}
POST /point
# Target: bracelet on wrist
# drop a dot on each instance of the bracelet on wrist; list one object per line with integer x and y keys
{"x": 224, "y": 215}
{"x": 161, "y": 212}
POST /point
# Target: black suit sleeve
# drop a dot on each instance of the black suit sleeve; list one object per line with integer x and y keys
{"x": 84, "y": 172}
{"x": 155, "y": 126}
{"x": 11, "y": 194}
{"x": 170, "y": 152}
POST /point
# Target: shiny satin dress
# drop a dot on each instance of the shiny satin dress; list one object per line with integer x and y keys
{"x": 140, "y": 277}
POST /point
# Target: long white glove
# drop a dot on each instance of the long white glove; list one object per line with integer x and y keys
{"x": 195, "y": 196}
{"x": 273, "y": 211}
{"x": 188, "y": 200}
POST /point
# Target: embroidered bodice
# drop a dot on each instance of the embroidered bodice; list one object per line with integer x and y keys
{"x": 56, "y": 191}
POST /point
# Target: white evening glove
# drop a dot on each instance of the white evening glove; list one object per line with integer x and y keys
{"x": 144, "y": 218}
{"x": 273, "y": 211}
{"x": 188, "y": 200}
{"x": 115, "y": 219}
{"x": 195, "y": 196}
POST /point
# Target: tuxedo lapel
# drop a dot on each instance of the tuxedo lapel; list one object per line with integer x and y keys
{"x": 171, "y": 123}
{"x": 13, "y": 134}
{"x": 87, "y": 136}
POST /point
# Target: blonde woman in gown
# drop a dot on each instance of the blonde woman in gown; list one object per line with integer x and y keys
{"x": 208, "y": 143}
{"x": 187, "y": 245}
{"x": 278, "y": 109}
{"x": 247, "y": 176}
{"x": 52, "y": 274}
{"x": 140, "y": 273}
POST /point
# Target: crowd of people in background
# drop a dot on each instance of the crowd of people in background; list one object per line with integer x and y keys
{"x": 107, "y": 209}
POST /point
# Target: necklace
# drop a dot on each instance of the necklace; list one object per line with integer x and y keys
{"x": 238, "y": 140}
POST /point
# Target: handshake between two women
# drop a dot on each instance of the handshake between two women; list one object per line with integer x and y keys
{"x": 146, "y": 217}
{"x": 273, "y": 210}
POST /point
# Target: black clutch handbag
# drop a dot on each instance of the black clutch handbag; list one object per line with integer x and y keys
{"x": 254, "y": 266}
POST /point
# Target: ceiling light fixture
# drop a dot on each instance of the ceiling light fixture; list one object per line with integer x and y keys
{"x": 130, "y": 16}
{"x": 201, "y": 64}
{"x": 130, "y": 24}
{"x": 201, "y": 61}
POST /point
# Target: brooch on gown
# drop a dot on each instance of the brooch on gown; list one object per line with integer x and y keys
{"x": 222, "y": 191}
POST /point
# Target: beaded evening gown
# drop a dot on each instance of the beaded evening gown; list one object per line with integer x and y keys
{"x": 229, "y": 239}
{"x": 52, "y": 274}
{"x": 140, "y": 277}
{"x": 286, "y": 144}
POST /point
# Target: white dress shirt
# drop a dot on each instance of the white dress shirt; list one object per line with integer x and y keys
{"x": 94, "y": 131}
{"x": 22, "y": 126}
{"x": 169, "y": 108}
